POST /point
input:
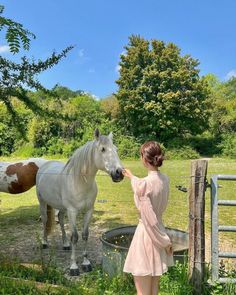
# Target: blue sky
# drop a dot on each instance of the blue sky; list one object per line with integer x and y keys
{"x": 100, "y": 29}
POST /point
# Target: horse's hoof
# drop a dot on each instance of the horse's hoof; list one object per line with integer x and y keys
{"x": 74, "y": 272}
{"x": 44, "y": 246}
{"x": 86, "y": 267}
{"x": 66, "y": 248}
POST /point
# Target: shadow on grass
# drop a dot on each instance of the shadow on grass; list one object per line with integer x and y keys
{"x": 99, "y": 217}
{"x": 23, "y": 215}
{"x": 30, "y": 215}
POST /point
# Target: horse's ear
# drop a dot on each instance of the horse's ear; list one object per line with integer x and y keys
{"x": 110, "y": 136}
{"x": 96, "y": 134}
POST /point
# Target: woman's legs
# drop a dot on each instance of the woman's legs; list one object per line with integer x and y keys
{"x": 143, "y": 285}
{"x": 155, "y": 285}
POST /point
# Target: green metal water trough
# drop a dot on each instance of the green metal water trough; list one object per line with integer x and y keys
{"x": 116, "y": 242}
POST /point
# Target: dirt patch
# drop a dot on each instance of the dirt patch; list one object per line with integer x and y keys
{"x": 25, "y": 246}
{"x": 23, "y": 243}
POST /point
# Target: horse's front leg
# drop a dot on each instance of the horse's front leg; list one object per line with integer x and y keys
{"x": 86, "y": 265}
{"x": 66, "y": 243}
{"x": 74, "y": 269}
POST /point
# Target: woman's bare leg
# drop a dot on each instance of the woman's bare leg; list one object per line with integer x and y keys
{"x": 155, "y": 285}
{"x": 143, "y": 285}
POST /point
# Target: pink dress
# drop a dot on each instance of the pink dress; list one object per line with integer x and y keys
{"x": 147, "y": 255}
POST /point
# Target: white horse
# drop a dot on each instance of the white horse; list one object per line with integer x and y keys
{"x": 72, "y": 188}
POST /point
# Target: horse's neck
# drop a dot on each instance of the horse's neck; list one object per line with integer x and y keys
{"x": 89, "y": 177}
{"x": 88, "y": 172}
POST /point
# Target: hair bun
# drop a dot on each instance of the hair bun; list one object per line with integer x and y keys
{"x": 151, "y": 153}
{"x": 158, "y": 160}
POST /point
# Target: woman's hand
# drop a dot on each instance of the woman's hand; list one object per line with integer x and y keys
{"x": 169, "y": 250}
{"x": 127, "y": 173}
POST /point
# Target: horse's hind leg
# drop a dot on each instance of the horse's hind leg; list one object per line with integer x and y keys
{"x": 66, "y": 243}
{"x": 86, "y": 265}
{"x": 43, "y": 212}
{"x": 74, "y": 269}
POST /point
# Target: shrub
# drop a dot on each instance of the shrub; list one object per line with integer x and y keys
{"x": 24, "y": 150}
{"x": 185, "y": 152}
{"x": 205, "y": 144}
{"x": 228, "y": 145}
{"x": 7, "y": 140}
{"x": 128, "y": 147}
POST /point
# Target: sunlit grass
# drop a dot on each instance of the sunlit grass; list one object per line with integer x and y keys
{"x": 115, "y": 206}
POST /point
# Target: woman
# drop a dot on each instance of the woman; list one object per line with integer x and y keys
{"x": 150, "y": 252}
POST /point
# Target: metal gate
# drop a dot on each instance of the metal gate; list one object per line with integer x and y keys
{"x": 216, "y": 228}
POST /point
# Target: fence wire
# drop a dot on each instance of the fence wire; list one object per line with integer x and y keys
{"x": 180, "y": 184}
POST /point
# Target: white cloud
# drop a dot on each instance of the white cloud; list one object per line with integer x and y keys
{"x": 117, "y": 69}
{"x": 95, "y": 96}
{"x": 81, "y": 52}
{"x": 91, "y": 71}
{"x": 4, "y": 48}
{"x": 124, "y": 52}
{"x": 230, "y": 74}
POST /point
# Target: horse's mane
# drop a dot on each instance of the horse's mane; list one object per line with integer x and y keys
{"x": 80, "y": 162}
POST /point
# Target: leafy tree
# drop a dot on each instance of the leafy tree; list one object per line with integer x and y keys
{"x": 16, "y": 34}
{"x": 110, "y": 106}
{"x": 223, "y": 102}
{"x": 16, "y": 77}
{"x": 160, "y": 92}
{"x": 65, "y": 93}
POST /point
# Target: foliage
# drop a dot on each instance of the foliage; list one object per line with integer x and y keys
{"x": 205, "y": 144}
{"x": 110, "y": 106}
{"x": 228, "y": 145}
{"x": 15, "y": 77}
{"x": 128, "y": 147}
{"x": 176, "y": 282}
{"x": 160, "y": 92}
{"x": 16, "y": 34}
{"x": 223, "y": 102}
{"x": 183, "y": 152}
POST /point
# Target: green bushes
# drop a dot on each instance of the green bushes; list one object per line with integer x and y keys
{"x": 185, "y": 152}
{"x": 47, "y": 279}
{"x": 57, "y": 137}
{"x": 128, "y": 147}
{"x": 228, "y": 145}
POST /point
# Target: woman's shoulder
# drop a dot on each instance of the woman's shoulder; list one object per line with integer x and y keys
{"x": 165, "y": 177}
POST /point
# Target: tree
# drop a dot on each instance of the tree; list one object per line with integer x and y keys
{"x": 160, "y": 92}
{"x": 16, "y": 77}
{"x": 16, "y": 34}
{"x": 110, "y": 106}
{"x": 223, "y": 102}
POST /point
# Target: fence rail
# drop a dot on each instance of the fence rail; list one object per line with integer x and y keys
{"x": 216, "y": 228}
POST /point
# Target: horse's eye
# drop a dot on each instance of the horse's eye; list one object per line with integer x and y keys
{"x": 103, "y": 150}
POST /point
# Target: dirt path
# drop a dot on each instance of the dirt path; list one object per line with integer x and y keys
{"x": 25, "y": 246}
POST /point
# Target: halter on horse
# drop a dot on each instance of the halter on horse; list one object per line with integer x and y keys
{"x": 72, "y": 188}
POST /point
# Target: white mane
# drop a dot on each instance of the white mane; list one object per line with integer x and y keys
{"x": 80, "y": 162}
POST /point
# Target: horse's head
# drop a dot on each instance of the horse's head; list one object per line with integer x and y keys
{"x": 106, "y": 157}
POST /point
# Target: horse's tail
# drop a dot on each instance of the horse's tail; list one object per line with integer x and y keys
{"x": 50, "y": 219}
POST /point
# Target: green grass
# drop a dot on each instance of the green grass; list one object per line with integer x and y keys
{"x": 119, "y": 209}
{"x": 19, "y": 215}
{"x": 49, "y": 280}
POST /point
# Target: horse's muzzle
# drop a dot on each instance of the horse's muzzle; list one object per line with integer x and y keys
{"x": 117, "y": 175}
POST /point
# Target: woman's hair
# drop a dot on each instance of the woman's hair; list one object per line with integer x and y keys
{"x": 151, "y": 152}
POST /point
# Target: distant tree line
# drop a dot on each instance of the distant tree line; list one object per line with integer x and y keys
{"x": 160, "y": 96}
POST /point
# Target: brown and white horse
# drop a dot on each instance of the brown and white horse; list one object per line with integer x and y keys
{"x": 18, "y": 177}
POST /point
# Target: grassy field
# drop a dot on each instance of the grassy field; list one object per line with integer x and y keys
{"x": 115, "y": 207}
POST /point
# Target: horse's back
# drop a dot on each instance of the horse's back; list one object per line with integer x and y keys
{"x": 48, "y": 183}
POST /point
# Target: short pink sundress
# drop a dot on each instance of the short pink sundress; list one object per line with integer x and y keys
{"x": 147, "y": 255}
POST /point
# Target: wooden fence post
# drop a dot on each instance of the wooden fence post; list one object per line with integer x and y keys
{"x": 197, "y": 223}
